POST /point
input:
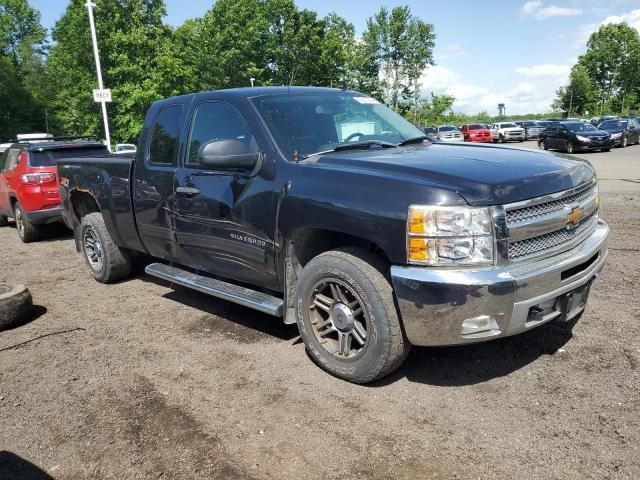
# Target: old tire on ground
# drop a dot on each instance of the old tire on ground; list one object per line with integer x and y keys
{"x": 347, "y": 316}
{"x": 27, "y": 231}
{"x": 106, "y": 261}
{"x": 16, "y": 305}
{"x": 3, "y": 221}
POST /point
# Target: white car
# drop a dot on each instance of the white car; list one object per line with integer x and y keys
{"x": 507, "y": 132}
{"x": 448, "y": 133}
{"x": 125, "y": 149}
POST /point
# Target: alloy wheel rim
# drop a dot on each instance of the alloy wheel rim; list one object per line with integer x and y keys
{"x": 339, "y": 322}
{"x": 19, "y": 222}
{"x": 93, "y": 249}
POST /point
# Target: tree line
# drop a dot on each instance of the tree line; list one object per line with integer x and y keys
{"x": 606, "y": 79}
{"x": 47, "y": 78}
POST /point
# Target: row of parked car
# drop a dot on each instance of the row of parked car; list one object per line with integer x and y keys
{"x": 569, "y": 135}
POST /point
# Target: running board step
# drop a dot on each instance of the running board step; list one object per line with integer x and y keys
{"x": 233, "y": 293}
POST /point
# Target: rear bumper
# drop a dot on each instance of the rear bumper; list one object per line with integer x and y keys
{"x": 48, "y": 215}
{"x": 437, "y": 306}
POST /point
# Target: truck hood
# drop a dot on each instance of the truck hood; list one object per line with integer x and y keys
{"x": 482, "y": 175}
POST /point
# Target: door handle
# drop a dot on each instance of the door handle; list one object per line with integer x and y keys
{"x": 188, "y": 191}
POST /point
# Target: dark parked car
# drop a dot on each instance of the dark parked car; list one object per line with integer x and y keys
{"x": 327, "y": 209}
{"x": 574, "y": 136}
{"x": 430, "y": 132}
{"x": 532, "y": 128}
{"x": 624, "y": 131}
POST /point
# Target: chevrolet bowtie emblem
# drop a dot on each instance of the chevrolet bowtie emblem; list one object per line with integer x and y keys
{"x": 576, "y": 215}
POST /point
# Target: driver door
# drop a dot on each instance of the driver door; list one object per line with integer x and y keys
{"x": 224, "y": 216}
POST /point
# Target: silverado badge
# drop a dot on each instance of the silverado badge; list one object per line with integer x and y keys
{"x": 574, "y": 218}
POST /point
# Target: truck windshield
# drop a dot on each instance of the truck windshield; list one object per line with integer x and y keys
{"x": 303, "y": 124}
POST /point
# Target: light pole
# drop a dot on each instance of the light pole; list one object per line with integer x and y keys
{"x": 90, "y": 6}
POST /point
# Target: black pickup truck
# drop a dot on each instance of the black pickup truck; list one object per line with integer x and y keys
{"x": 325, "y": 208}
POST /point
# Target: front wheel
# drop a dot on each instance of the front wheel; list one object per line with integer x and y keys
{"x": 502, "y": 139}
{"x": 347, "y": 316}
{"x": 570, "y": 147}
{"x": 27, "y": 231}
{"x": 105, "y": 259}
{"x": 542, "y": 145}
{"x": 625, "y": 142}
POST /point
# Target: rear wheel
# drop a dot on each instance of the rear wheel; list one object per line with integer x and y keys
{"x": 27, "y": 231}
{"x": 107, "y": 262}
{"x": 347, "y": 316}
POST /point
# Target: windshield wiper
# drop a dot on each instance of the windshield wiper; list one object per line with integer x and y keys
{"x": 413, "y": 140}
{"x": 354, "y": 146}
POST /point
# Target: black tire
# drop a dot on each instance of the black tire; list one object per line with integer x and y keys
{"x": 542, "y": 145}
{"x": 359, "y": 276}
{"x": 624, "y": 143}
{"x": 27, "y": 231}
{"x": 570, "y": 147}
{"x": 106, "y": 261}
{"x": 502, "y": 139}
{"x": 16, "y": 305}
{"x": 3, "y": 221}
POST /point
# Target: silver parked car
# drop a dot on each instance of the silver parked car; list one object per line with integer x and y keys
{"x": 448, "y": 133}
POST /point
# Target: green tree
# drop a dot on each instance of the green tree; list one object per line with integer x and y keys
{"x": 19, "y": 24}
{"x": 138, "y": 60}
{"x": 579, "y": 96}
{"x": 19, "y": 112}
{"x": 612, "y": 61}
{"x": 404, "y": 48}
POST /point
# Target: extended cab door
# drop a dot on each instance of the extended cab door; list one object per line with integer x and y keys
{"x": 225, "y": 217}
{"x": 155, "y": 167}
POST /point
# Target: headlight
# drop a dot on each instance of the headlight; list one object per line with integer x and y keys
{"x": 616, "y": 135}
{"x": 449, "y": 235}
{"x": 583, "y": 139}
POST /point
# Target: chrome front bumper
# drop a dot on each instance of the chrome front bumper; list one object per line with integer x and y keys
{"x": 438, "y": 306}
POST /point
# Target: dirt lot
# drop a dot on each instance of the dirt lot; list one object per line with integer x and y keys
{"x": 151, "y": 381}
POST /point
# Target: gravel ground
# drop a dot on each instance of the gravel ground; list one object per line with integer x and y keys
{"x": 144, "y": 380}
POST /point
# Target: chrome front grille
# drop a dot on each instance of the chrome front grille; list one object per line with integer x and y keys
{"x": 547, "y": 241}
{"x": 551, "y": 223}
{"x": 545, "y": 208}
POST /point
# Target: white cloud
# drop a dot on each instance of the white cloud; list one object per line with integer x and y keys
{"x": 537, "y": 10}
{"x": 585, "y": 31}
{"x": 469, "y": 98}
{"x": 453, "y": 50}
{"x": 558, "y": 73}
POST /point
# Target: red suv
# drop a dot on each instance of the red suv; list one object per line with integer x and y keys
{"x": 476, "y": 132}
{"x": 28, "y": 183}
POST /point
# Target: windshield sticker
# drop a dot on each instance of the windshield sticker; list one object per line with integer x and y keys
{"x": 366, "y": 100}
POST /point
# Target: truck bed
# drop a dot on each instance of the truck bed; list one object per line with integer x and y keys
{"x": 108, "y": 179}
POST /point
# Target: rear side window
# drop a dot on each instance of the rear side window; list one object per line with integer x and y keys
{"x": 12, "y": 158}
{"x": 163, "y": 148}
{"x": 49, "y": 158}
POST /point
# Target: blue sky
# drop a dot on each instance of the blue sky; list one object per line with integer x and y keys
{"x": 490, "y": 51}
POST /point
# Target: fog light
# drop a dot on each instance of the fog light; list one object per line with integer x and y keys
{"x": 483, "y": 324}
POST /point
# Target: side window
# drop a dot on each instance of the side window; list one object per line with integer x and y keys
{"x": 213, "y": 121}
{"x": 13, "y": 156}
{"x": 163, "y": 147}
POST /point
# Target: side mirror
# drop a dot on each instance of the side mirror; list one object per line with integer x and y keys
{"x": 227, "y": 154}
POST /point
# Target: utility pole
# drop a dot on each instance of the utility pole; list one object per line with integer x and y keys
{"x": 90, "y": 6}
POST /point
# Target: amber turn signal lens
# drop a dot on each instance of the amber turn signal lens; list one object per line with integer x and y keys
{"x": 418, "y": 250}
{"x": 417, "y": 221}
